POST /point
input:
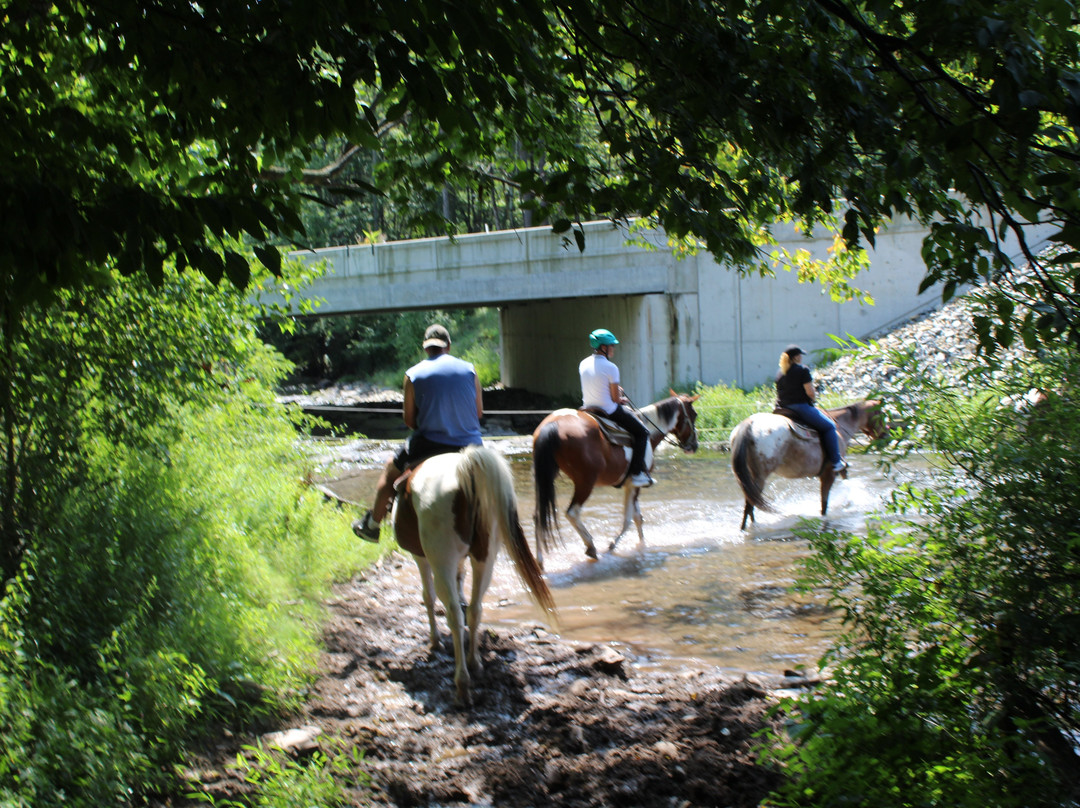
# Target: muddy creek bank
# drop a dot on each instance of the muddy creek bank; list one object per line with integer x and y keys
{"x": 554, "y": 723}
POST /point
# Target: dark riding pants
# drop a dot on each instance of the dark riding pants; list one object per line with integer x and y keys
{"x": 816, "y": 419}
{"x": 417, "y": 447}
{"x": 638, "y": 431}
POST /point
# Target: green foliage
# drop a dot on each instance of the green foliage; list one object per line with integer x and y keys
{"x": 486, "y": 360}
{"x": 720, "y": 408}
{"x": 168, "y": 559}
{"x": 383, "y": 346}
{"x": 966, "y": 119}
{"x": 282, "y": 782}
{"x": 955, "y": 682}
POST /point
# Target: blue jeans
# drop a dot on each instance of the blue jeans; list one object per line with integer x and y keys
{"x": 815, "y": 418}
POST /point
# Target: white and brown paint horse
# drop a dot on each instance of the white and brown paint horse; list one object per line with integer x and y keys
{"x": 572, "y": 441}
{"x": 767, "y": 443}
{"x": 455, "y": 507}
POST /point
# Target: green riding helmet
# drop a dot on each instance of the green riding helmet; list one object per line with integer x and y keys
{"x": 602, "y": 336}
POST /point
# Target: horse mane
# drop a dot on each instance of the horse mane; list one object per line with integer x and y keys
{"x": 665, "y": 410}
{"x": 860, "y": 409}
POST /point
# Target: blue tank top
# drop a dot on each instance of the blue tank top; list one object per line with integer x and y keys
{"x": 445, "y": 393}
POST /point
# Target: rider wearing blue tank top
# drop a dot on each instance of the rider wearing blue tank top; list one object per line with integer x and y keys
{"x": 443, "y": 407}
{"x": 444, "y": 390}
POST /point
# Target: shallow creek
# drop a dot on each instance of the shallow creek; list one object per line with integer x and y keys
{"x": 699, "y": 588}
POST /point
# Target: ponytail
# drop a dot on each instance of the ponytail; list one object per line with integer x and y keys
{"x": 785, "y": 362}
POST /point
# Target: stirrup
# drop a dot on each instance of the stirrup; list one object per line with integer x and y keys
{"x": 366, "y": 528}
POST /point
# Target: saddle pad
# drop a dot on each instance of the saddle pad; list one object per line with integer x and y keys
{"x": 799, "y": 429}
{"x": 618, "y": 436}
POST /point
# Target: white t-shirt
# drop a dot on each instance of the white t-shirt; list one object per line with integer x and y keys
{"x": 598, "y": 373}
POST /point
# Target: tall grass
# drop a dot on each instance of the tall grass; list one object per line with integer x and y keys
{"x": 720, "y": 408}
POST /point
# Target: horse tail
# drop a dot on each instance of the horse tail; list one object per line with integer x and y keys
{"x": 741, "y": 444}
{"x": 485, "y": 476}
{"x": 545, "y": 470}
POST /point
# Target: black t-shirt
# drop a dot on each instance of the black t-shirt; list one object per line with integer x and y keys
{"x": 789, "y": 386}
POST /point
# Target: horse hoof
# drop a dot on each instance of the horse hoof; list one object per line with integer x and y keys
{"x": 591, "y": 553}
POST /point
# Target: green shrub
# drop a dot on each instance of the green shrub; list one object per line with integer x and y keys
{"x": 485, "y": 359}
{"x": 955, "y": 682}
{"x": 171, "y": 558}
{"x": 721, "y": 408}
{"x": 282, "y": 782}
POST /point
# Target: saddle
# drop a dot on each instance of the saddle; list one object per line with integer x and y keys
{"x": 799, "y": 428}
{"x": 610, "y": 430}
{"x": 618, "y": 436}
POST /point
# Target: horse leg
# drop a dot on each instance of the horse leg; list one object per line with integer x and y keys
{"x": 638, "y": 520}
{"x": 481, "y": 579}
{"x": 573, "y": 513}
{"x": 428, "y": 592}
{"x": 748, "y": 511}
{"x": 447, "y": 585}
{"x": 631, "y": 513}
{"x": 827, "y": 479}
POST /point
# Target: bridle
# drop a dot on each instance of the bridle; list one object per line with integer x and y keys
{"x": 688, "y": 441}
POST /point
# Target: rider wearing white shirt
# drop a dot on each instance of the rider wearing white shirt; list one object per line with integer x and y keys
{"x": 600, "y": 390}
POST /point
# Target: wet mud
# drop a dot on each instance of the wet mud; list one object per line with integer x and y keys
{"x": 553, "y": 723}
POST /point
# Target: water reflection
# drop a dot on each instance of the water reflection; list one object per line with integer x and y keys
{"x": 699, "y": 587}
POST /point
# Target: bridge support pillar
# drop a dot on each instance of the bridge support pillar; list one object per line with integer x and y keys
{"x": 543, "y": 342}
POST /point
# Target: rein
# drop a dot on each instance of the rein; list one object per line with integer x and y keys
{"x": 664, "y": 434}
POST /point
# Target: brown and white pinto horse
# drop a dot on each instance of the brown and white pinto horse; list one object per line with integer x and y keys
{"x": 767, "y": 443}
{"x": 571, "y": 441}
{"x": 457, "y": 506}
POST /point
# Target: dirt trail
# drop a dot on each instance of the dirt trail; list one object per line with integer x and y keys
{"x": 553, "y": 724}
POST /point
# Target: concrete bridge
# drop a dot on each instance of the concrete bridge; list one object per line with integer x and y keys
{"x": 678, "y": 321}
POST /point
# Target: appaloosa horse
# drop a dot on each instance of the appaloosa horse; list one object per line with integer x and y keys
{"x": 457, "y": 506}
{"x": 767, "y": 443}
{"x": 573, "y": 442}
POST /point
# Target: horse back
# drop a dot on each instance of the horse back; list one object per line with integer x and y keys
{"x": 432, "y": 487}
{"x": 773, "y": 444}
{"x": 574, "y": 440}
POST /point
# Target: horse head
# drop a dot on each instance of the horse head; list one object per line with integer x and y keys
{"x": 871, "y": 421}
{"x": 685, "y": 429}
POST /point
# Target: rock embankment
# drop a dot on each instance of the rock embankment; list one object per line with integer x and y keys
{"x": 939, "y": 339}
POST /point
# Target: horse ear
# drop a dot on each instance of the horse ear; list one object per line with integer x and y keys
{"x": 673, "y": 393}
{"x": 695, "y": 398}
